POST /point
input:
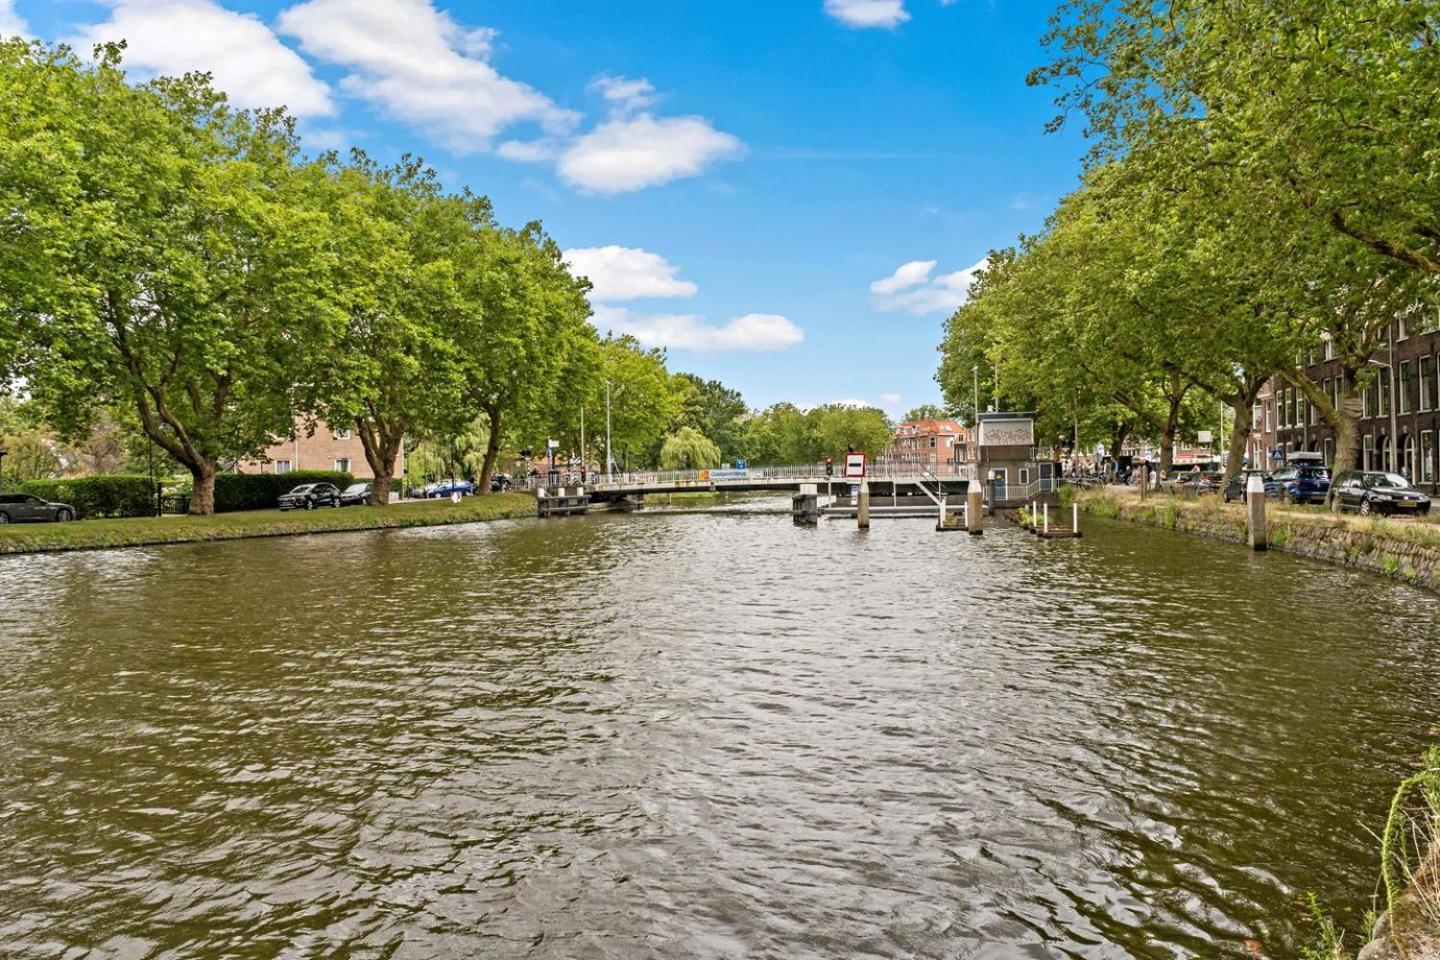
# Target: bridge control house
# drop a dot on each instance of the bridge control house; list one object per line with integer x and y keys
{"x": 1005, "y": 447}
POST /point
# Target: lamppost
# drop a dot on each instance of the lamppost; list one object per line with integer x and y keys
{"x": 609, "y": 460}
{"x": 975, "y": 417}
{"x": 1394, "y": 420}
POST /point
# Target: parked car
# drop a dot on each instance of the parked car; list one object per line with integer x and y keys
{"x": 445, "y": 488}
{"x": 1235, "y": 489}
{"x": 1304, "y": 483}
{"x": 27, "y": 508}
{"x": 1197, "y": 481}
{"x": 1376, "y": 491}
{"x": 500, "y": 483}
{"x": 311, "y": 495}
{"x": 356, "y": 495}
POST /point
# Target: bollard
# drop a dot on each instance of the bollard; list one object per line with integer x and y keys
{"x": 1075, "y": 519}
{"x": 1255, "y": 497}
{"x": 862, "y": 509}
{"x": 1046, "y": 508}
{"x": 1144, "y": 481}
{"x": 972, "y": 510}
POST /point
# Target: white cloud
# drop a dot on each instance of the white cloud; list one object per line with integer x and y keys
{"x": 868, "y": 13}
{"x": 421, "y": 67}
{"x": 632, "y": 153}
{"x": 753, "y": 332}
{"x": 176, "y": 36}
{"x": 624, "y": 93}
{"x": 907, "y": 275}
{"x": 11, "y": 23}
{"x": 911, "y": 289}
{"x": 627, "y": 273}
{"x": 890, "y": 399}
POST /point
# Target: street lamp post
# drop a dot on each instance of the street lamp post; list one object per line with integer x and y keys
{"x": 1394, "y": 420}
{"x": 975, "y": 417}
{"x": 609, "y": 460}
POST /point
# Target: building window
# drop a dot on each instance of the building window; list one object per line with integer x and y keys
{"x": 1402, "y": 328}
{"x": 1330, "y": 452}
{"x": 342, "y": 465}
{"x": 340, "y": 433}
{"x": 1404, "y": 398}
{"x": 1427, "y": 379}
{"x": 1384, "y": 389}
{"x": 1269, "y": 416}
{"x": 1367, "y": 452}
{"x": 282, "y": 466}
{"x": 1329, "y": 349}
{"x": 1427, "y": 457}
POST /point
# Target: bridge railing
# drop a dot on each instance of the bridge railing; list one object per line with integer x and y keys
{"x": 876, "y": 470}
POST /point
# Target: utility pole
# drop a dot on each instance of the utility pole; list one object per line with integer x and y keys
{"x": 1394, "y": 404}
{"x": 975, "y": 418}
{"x": 609, "y": 460}
{"x": 582, "y": 439}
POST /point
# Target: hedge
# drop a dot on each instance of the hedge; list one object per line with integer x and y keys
{"x": 259, "y": 491}
{"x": 101, "y": 495}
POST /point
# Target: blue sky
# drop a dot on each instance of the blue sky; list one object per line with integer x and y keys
{"x": 759, "y": 186}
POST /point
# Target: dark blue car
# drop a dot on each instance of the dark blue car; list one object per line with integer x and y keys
{"x": 445, "y": 488}
{"x": 1308, "y": 483}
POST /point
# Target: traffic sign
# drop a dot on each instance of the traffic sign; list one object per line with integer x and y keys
{"x": 854, "y": 466}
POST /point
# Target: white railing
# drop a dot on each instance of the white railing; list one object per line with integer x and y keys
{"x": 815, "y": 472}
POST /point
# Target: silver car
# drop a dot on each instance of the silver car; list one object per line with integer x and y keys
{"x": 27, "y": 508}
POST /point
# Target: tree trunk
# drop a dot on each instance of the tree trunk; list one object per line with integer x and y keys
{"x": 202, "y": 501}
{"x": 1347, "y": 431}
{"x": 492, "y": 451}
{"x": 1239, "y": 440}
{"x": 381, "y": 445}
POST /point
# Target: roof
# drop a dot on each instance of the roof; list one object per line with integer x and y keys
{"x": 913, "y": 428}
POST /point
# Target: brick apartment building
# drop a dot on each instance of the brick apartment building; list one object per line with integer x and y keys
{"x": 930, "y": 443}
{"x": 325, "y": 449}
{"x": 1403, "y": 402}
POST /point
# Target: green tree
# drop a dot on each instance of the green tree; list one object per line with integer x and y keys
{"x": 926, "y": 411}
{"x": 395, "y": 369}
{"x": 713, "y": 409}
{"x": 689, "y": 449}
{"x": 178, "y": 263}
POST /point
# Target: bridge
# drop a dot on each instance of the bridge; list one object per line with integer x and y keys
{"x": 886, "y": 479}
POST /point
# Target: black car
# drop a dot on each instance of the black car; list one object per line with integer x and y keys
{"x": 356, "y": 495}
{"x": 311, "y": 495}
{"x": 25, "y": 507}
{"x": 1376, "y": 491}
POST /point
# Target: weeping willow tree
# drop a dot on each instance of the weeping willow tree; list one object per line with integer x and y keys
{"x": 689, "y": 449}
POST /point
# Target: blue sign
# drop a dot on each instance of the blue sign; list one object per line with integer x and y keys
{"x": 741, "y": 465}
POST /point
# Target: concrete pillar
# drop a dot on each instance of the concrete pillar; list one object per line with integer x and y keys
{"x": 862, "y": 509}
{"x": 1255, "y": 497}
{"x": 974, "y": 504}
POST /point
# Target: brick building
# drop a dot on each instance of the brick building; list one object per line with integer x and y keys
{"x": 1403, "y": 403}
{"x": 324, "y": 449}
{"x": 931, "y": 443}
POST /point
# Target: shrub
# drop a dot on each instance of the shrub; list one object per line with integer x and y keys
{"x": 101, "y": 495}
{"x": 259, "y": 491}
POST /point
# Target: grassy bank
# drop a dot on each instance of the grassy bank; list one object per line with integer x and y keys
{"x": 1406, "y": 549}
{"x": 102, "y": 534}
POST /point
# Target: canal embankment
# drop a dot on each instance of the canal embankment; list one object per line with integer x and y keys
{"x": 1406, "y": 550}
{"x": 153, "y": 531}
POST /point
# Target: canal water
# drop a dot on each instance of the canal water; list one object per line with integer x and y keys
{"x": 697, "y": 735}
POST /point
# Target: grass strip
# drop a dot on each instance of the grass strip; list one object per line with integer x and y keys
{"x": 151, "y": 531}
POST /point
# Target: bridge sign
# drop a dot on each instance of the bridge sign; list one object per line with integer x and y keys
{"x": 855, "y": 466}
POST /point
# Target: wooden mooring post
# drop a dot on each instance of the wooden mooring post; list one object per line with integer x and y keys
{"x": 862, "y": 506}
{"x": 1255, "y": 499}
{"x": 975, "y": 500}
